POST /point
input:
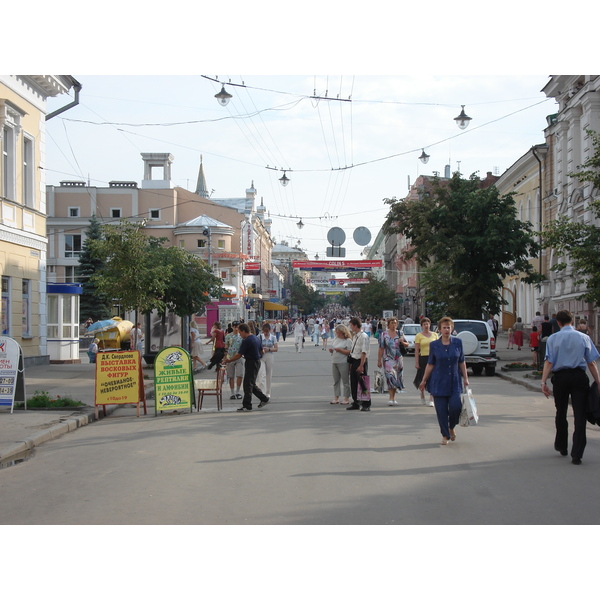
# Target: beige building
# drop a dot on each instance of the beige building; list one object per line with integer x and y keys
{"x": 23, "y": 242}
{"x": 230, "y": 234}
{"x": 525, "y": 178}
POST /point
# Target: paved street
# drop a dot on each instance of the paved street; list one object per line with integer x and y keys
{"x": 301, "y": 460}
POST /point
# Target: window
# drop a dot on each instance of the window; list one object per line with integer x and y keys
{"x": 221, "y": 244}
{"x": 182, "y": 243}
{"x": 201, "y": 243}
{"x": 28, "y": 173}
{"x": 224, "y": 274}
{"x": 115, "y": 213}
{"x": 26, "y": 309}
{"x": 69, "y": 274}
{"x": 52, "y": 316}
{"x": 5, "y": 305}
{"x": 73, "y": 211}
{"x": 72, "y": 246}
{"x": 8, "y": 162}
{"x": 155, "y": 214}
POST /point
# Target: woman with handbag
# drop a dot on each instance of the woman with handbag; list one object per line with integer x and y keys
{"x": 357, "y": 360}
{"x": 392, "y": 346}
{"x": 446, "y": 372}
{"x": 422, "y": 341}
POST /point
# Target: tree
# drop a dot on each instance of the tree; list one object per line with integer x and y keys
{"x": 308, "y": 300}
{"x": 577, "y": 242}
{"x": 130, "y": 274}
{"x": 467, "y": 239}
{"x": 190, "y": 286}
{"x": 374, "y": 297}
{"x": 92, "y": 303}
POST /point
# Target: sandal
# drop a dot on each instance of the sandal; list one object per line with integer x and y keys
{"x": 345, "y": 402}
{"x": 444, "y": 442}
{"x": 452, "y": 436}
{"x": 334, "y": 402}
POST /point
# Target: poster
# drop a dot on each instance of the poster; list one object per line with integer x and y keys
{"x": 119, "y": 378}
{"x": 173, "y": 382}
{"x": 10, "y": 353}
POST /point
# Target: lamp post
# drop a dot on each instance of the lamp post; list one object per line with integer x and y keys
{"x": 541, "y": 150}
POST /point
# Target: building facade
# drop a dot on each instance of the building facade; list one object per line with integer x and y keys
{"x": 23, "y": 241}
{"x": 578, "y": 98}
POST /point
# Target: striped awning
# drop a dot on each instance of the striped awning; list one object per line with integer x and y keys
{"x": 274, "y": 306}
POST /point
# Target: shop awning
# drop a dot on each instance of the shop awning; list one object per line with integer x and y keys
{"x": 274, "y": 306}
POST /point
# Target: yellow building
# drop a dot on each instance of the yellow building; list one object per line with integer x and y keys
{"x": 23, "y": 239}
{"x": 523, "y": 179}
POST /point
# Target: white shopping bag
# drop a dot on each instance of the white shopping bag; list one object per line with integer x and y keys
{"x": 468, "y": 414}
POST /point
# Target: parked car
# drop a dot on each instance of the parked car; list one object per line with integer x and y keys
{"x": 479, "y": 345}
{"x": 410, "y": 331}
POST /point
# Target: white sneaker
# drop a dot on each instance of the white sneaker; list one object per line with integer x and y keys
{"x": 430, "y": 403}
{"x": 391, "y": 403}
{"x": 423, "y": 401}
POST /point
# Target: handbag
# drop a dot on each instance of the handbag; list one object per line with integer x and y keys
{"x": 468, "y": 413}
{"x": 363, "y": 391}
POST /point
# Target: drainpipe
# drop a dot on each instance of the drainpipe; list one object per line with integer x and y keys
{"x": 542, "y": 149}
{"x": 77, "y": 87}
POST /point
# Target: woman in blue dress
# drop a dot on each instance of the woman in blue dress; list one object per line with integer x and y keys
{"x": 446, "y": 373}
{"x": 390, "y": 358}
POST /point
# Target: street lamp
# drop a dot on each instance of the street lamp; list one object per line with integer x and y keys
{"x": 462, "y": 120}
{"x": 284, "y": 180}
{"x": 424, "y": 158}
{"x": 300, "y": 224}
{"x": 223, "y": 97}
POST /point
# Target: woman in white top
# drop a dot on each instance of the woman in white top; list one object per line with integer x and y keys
{"x": 269, "y": 346}
{"x": 196, "y": 344}
{"x": 340, "y": 349}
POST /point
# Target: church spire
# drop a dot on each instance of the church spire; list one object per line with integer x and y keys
{"x": 201, "y": 188}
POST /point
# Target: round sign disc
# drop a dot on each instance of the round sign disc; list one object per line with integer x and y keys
{"x": 362, "y": 236}
{"x": 336, "y": 236}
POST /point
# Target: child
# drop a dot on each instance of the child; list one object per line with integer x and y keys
{"x": 534, "y": 343}
{"x": 511, "y": 338}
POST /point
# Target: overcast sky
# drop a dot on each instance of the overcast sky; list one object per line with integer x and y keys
{"x": 343, "y": 155}
{"x": 143, "y": 91}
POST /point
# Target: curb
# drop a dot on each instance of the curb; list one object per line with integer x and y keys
{"x": 59, "y": 430}
{"x": 52, "y": 433}
{"x": 530, "y": 386}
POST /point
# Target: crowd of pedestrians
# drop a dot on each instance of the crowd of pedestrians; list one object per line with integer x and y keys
{"x": 439, "y": 360}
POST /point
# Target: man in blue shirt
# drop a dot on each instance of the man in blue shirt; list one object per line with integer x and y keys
{"x": 568, "y": 352}
{"x": 251, "y": 350}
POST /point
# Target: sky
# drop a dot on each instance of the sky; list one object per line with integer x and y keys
{"x": 346, "y": 142}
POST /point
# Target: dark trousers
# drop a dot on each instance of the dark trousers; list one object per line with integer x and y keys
{"x": 447, "y": 410}
{"x": 574, "y": 383}
{"x": 217, "y": 357}
{"x": 250, "y": 373}
{"x": 354, "y": 376}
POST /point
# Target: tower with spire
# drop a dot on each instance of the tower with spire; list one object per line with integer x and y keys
{"x": 201, "y": 188}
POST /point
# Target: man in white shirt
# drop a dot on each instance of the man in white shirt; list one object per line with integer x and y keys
{"x": 299, "y": 331}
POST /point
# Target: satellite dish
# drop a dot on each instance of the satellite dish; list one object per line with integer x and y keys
{"x": 336, "y": 236}
{"x": 362, "y": 236}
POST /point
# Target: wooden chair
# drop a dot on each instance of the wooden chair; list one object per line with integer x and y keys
{"x": 211, "y": 387}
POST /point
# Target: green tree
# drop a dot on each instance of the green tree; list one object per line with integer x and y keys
{"x": 374, "y": 297}
{"x": 130, "y": 274}
{"x": 578, "y": 242}
{"x": 308, "y": 300}
{"x": 92, "y": 303}
{"x": 467, "y": 240}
